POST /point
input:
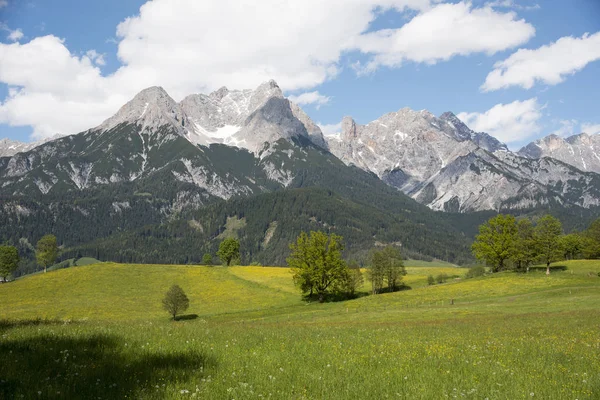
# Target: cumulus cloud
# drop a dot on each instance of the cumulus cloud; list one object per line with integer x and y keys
{"x": 590, "y": 129}
{"x": 509, "y": 123}
{"x": 15, "y": 35}
{"x": 512, "y": 4}
{"x": 330, "y": 129}
{"x": 97, "y": 58}
{"x": 445, "y": 31}
{"x": 549, "y": 64}
{"x": 180, "y": 45}
{"x": 310, "y": 98}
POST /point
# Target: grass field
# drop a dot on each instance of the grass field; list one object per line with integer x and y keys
{"x": 98, "y": 331}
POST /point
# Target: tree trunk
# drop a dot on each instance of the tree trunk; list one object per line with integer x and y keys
{"x": 321, "y": 298}
{"x": 548, "y": 268}
{"x": 45, "y": 268}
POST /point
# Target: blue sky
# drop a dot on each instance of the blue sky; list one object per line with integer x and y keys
{"x": 66, "y": 65}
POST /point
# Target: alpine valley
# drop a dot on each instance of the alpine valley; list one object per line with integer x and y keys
{"x": 163, "y": 182}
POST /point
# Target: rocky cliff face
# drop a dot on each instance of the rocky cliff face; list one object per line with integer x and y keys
{"x": 581, "y": 151}
{"x": 442, "y": 163}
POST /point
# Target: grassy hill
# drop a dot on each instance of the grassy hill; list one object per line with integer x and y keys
{"x": 248, "y": 334}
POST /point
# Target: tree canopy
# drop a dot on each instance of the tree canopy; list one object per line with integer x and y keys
{"x": 9, "y": 261}
{"x": 547, "y": 240}
{"x": 386, "y": 265}
{"x": 46, "y": 251}
{"x": 229, "y": 251}
{"x": 317, "y": 264}
{"x": 495, "y": 243}
{"x": 175, "y": 301}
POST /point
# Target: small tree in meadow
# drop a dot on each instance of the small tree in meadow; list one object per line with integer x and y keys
{"x": 229, "y": 251}
{"x": 46, "y": 251}
{"x": 547, "y": 240}
{"x": 430, "y": 280}
{"x": 353, "y": 279}
{"x": 9, "y": 261}
{"x": 317, "y": 264}
{"x": 175, "y": 301}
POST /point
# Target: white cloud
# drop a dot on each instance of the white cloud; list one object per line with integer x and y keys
{"x": 310, "y": 98}
{"x": 567, "y": 128}
{"x": 330, "y": 129}
{"x": 97, "y": 58}
{"x": 183, "y": 46}
{"x": 3, "y": 3}
{"x": 512, "y": 4}
{"x": 15, "y": 35}
{"x": 549, "y": 64}
{"x": 509, "y": 123}
{"x": 445, "y": 31}
{"x": 590, "y": 129}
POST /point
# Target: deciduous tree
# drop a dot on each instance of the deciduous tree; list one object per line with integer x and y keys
{"x": 175, "y": 301}
{"x": 353, "y": 280}
{"x": 9, "y": 261}
{"x": 547, "y": 240}
{"x": 46, "y": 251}
{"x": 524, "y": 250}
{"x": 495, "y": 243}
{"x": 317, "y": 264}
{"x": 229, "y": 250}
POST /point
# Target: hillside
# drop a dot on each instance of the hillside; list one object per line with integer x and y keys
{"x": 248, "y": 334}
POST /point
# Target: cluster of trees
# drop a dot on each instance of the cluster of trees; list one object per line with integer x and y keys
{"x": 46, "y": 253}
{"x": 505, "y": 243}
{"x": 319, "y": 269}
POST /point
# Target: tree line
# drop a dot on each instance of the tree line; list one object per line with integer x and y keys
{"x": 507, "y": 243}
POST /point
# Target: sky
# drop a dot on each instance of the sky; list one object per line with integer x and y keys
{"x": 517, "y": 69}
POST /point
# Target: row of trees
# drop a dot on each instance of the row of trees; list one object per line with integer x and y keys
{"x": 46, "y": 253}
{"x": 505, "y": 243}
{"x": 319, "y": 269}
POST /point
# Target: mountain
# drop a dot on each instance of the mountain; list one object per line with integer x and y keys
{"x": 581, "y": 151}
{"x": 157, "y": 164}
{"x": 442, "y": 163}
{"x": 11, "y": 147}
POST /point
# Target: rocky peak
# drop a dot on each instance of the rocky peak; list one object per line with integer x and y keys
{"x": 151, "y": 108}
{"x": 462, "y": 131}
{"x": 348, "y": 129}
{"x": 220, "y": 93}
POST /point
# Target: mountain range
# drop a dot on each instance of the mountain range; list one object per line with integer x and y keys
{"x": 157, "y": 161}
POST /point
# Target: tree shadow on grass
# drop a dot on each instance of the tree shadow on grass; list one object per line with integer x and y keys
{"x": 553, "y": 268}
{"x": 84, "y": 366}
{"x": 187, "y": 317}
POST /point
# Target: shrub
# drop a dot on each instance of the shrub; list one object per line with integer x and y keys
{"x": 475, "y": 271}
{"x": 430, "y": 280}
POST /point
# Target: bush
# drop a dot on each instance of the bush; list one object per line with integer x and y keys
{"x": 475, "y": 271}
{"x": 430, "y": 280}
{"x": 441, "y": 278}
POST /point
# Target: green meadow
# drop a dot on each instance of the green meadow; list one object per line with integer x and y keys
{"x": 98, "y": 332}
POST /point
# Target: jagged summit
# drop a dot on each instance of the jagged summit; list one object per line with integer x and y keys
{"x": 218, "y": 117}
{"x": 581, "y": 151}
{"x": 151, "y": 108}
